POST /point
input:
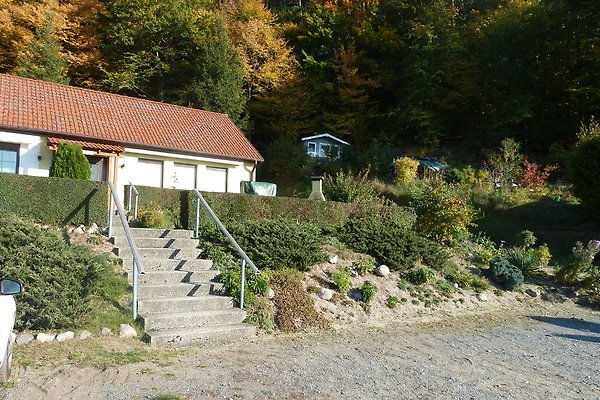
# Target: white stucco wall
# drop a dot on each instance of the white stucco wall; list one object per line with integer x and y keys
{"x": 129, "y": 169}
{"x": 31, "y": 147}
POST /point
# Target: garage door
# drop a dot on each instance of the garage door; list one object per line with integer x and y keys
{"x": 149, "y": 173}
{"x": 185, "y": 176}
{"x": 214, "y": 180}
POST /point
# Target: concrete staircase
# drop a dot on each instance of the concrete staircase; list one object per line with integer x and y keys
{"x": 179, "y": 300}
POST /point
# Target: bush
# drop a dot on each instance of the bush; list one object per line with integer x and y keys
{"x": 505, "y": 164}
{"x": 58, "y": 278}
{"x": 153, "y": 216}
{"x": 364, "y": 266}
{"x": 419, "y": 276}
{"x": 279, "y": 244}
{"x": 525, "y": 260}
{"x": 405, "y": 169}
{"x": 581, "y": 263}
{"x": 294, "y": 308}
{"x": 442, "y": 214}
{"x": 341, "y": 280}
{"x": 69, "y": 162}
{"x": 368, "y": 291}
{"x": 584, "y": 167}
{"x": 466, "y": 279}
{"x": 506, "y": 274}
{"x": 347, "y": 188}
{"x": 392, "y": 302}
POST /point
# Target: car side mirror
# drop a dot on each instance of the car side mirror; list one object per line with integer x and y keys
{"x": 8, "y": 287}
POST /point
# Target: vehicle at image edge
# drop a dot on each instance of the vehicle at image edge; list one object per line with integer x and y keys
{"x": 8, "y": 310}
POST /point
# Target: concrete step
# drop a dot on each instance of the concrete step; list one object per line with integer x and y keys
{"x": 156, "y": 233}
{"x": 196, "y": 319}
{"x": 183, "y": 304}
{"x": 157, "y": 277}
{"x": 190, "y": 336}
{"x": 152, "y": 253}
{"x": 150, "y": 264}
{"x": 191, "y": 289}
{"x": 158, "y": 243}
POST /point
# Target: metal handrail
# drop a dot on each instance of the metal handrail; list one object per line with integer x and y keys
{"x": 137, "y": 267}
{"x": 244, "y": 258}
{"x": 133, "y": 189}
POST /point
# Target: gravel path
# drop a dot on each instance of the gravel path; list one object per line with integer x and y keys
{"x": 534, "y": 355}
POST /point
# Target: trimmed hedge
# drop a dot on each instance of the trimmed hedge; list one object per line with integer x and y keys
{"x": 234, "y": 208}
{"x": 54, "y": 201}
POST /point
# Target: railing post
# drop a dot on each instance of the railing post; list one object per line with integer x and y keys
{"x": 197, "y": 229}
{"x": 137, "y": 199}
{"x": 135, "y": 285}
{"x": 110, "y": 215}
{"x": 242, "y": 283}
{"x": 130, "y": 194}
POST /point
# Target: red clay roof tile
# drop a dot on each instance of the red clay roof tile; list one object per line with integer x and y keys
{"x": 88, "y": 115}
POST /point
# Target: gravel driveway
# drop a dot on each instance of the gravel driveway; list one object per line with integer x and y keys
{"x": 550, "y": 355}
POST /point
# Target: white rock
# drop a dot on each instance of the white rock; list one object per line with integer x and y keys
{"x": 93, "y": 229}
{"x": 333, "y": 259}
{"x": 455, "y": 285}
{"x": 325, "y": 294}
{"x": 127, "y": 331}
{"x": 45, "y": 338}
{"x": 85, "y": 334}
{"x": 63, "y": 337}
{"x": 106, "y": 332}
{"x": 533, "y": 292}
{"x": 481, "y": 297}
{"x": 382, "y": 270}
{"x": 24, "y": 338}
{"x": 270, "y": 293}
{"x": 80, "y": 230}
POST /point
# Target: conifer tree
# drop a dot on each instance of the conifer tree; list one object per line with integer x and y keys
{"x": 69, "y": 162}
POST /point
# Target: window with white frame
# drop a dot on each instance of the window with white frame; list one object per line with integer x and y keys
{"x": 9, "y": 158}
{"x": 311, "y": 149}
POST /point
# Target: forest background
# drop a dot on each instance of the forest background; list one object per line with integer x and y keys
{"x": 380, "y": 74}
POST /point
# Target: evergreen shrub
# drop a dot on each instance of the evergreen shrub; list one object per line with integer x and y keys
{"x": 503, "y": 272}
{"x": 584, "y": 168}
{"x": 69, "y": 162}
{"x": 58, "y": 278}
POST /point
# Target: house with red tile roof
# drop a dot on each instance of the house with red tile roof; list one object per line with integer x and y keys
{"x": 125, "y": 139}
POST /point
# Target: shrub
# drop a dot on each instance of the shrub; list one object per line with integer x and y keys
{"x": 442, "y": 214}
{"x": 69, "y": 162}
{"x": 348, "y": 188}
{"x": 506, "y": 274}
{"x": 368, "y": 291}
{"x": 466, "y": 279}
{"x": 364, "y": 266}
{"x": 580, "y": 262}
{"x": 58, "y": 278}
{"x": 534, "y": 177}
{"x": 419, "y": 276}
{"x": 279, "y": 244}
{"x": 543, "y": 254}
{"x": 584, "y": 167}
{"x": 260, "y": 312}
{"x": 152, "y": 215}
{"x": 468, "y": 176}
{"x": 505, "y": 164}
{"x": 405, "y": 169}
{"x": 392, "y": 302}
{"x": 525, "y": 260}
{"x": 294, "y": 308}
{"x": 341, "y": 280}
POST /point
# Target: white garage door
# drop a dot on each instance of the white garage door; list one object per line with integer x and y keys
{"x": 148, "y": 173}
{"x": 185, "y": 176}
{"x": 214, "y": 180}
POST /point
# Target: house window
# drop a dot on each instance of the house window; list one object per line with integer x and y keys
{"x": 9, "y": 158}
{"x": 184, "y": 176}
{"x": 329, "y": 151}
{"x": 311, "y": 149}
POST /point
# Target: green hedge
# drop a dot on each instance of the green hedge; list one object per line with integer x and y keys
{"x": 54, "y": 201}
{"x": 232, "y": 207}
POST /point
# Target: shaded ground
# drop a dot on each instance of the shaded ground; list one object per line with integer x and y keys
{"x": 540, "y": 350}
